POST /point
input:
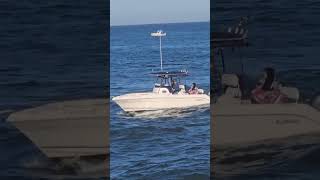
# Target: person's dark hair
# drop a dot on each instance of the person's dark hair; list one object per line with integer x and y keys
{"x": 194, "y": 86}
{"x": 267, "y": 86}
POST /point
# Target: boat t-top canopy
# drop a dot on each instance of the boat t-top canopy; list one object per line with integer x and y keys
{"x": 171, "y": 74}
{"x": 234, "y": 37}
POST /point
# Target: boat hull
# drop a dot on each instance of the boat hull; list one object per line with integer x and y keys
{"x": 150, "y": 101}
{"x": 66, "y": 129}
{"x": 240, "y": 124}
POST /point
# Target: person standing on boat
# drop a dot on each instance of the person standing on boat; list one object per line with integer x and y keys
{"x": 267, "y": 90}
{"x": 193, "y": 89}
{"x": 174, "y": 86}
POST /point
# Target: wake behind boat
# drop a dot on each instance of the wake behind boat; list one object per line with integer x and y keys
{"x": 168, "y": 92}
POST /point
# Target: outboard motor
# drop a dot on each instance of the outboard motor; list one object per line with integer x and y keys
{"x": 316, "y": 102}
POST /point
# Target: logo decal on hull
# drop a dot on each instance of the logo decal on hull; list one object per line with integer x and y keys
{"x": 287, "y": 121}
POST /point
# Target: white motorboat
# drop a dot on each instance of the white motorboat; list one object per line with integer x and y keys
{"x": 164, "y": 95}
{"x": 77, "y": 128}
{"x": 238, "y": 121}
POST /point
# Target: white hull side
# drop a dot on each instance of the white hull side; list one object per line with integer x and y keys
{"x": 67, "y": 129}
{"x": 240, "y": 124}
{"x": 150, "y": 101}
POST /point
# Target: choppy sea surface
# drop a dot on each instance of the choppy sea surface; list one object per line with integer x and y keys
{"x": 285, "y": 35}
{"x": 50, "y": 51}
{"x": 166, "y": 144}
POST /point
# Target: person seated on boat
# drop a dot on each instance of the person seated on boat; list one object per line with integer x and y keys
{"x": 193, "y": 89}
{"x": 267, "y": 90}
{"x": 174, "y": 86}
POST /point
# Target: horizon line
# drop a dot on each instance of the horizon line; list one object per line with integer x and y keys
{"x": 159, "y": 23}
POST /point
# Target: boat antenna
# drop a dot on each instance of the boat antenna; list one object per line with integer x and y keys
{"x": 159, "y": 34}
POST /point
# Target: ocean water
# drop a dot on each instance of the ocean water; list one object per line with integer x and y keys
{"x": 50, "y": 51}
{"x": 166, "y": 144}
{"x": 285, "y": 35}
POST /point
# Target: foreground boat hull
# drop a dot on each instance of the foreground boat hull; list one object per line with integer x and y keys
{"x": 66, "y": 129}
{"x": 150, "y": 102}
{"x": 240, "y": 124}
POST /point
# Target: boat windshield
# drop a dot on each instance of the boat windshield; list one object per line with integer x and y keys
{"x": 169, "y": 79}
{"x": 165, "y": 82}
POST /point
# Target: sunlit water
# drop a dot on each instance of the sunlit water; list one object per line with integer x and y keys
{"x": 171, "y": 144}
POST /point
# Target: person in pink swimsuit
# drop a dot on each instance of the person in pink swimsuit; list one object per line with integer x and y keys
{"x": 193, "y": 89}
{"x": 267, "y": 92}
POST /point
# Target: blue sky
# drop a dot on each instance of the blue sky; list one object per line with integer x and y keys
{"x": 129, "y": 12}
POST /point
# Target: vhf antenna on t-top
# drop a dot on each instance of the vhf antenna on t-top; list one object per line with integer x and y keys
{"x": 159, "y": 34}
